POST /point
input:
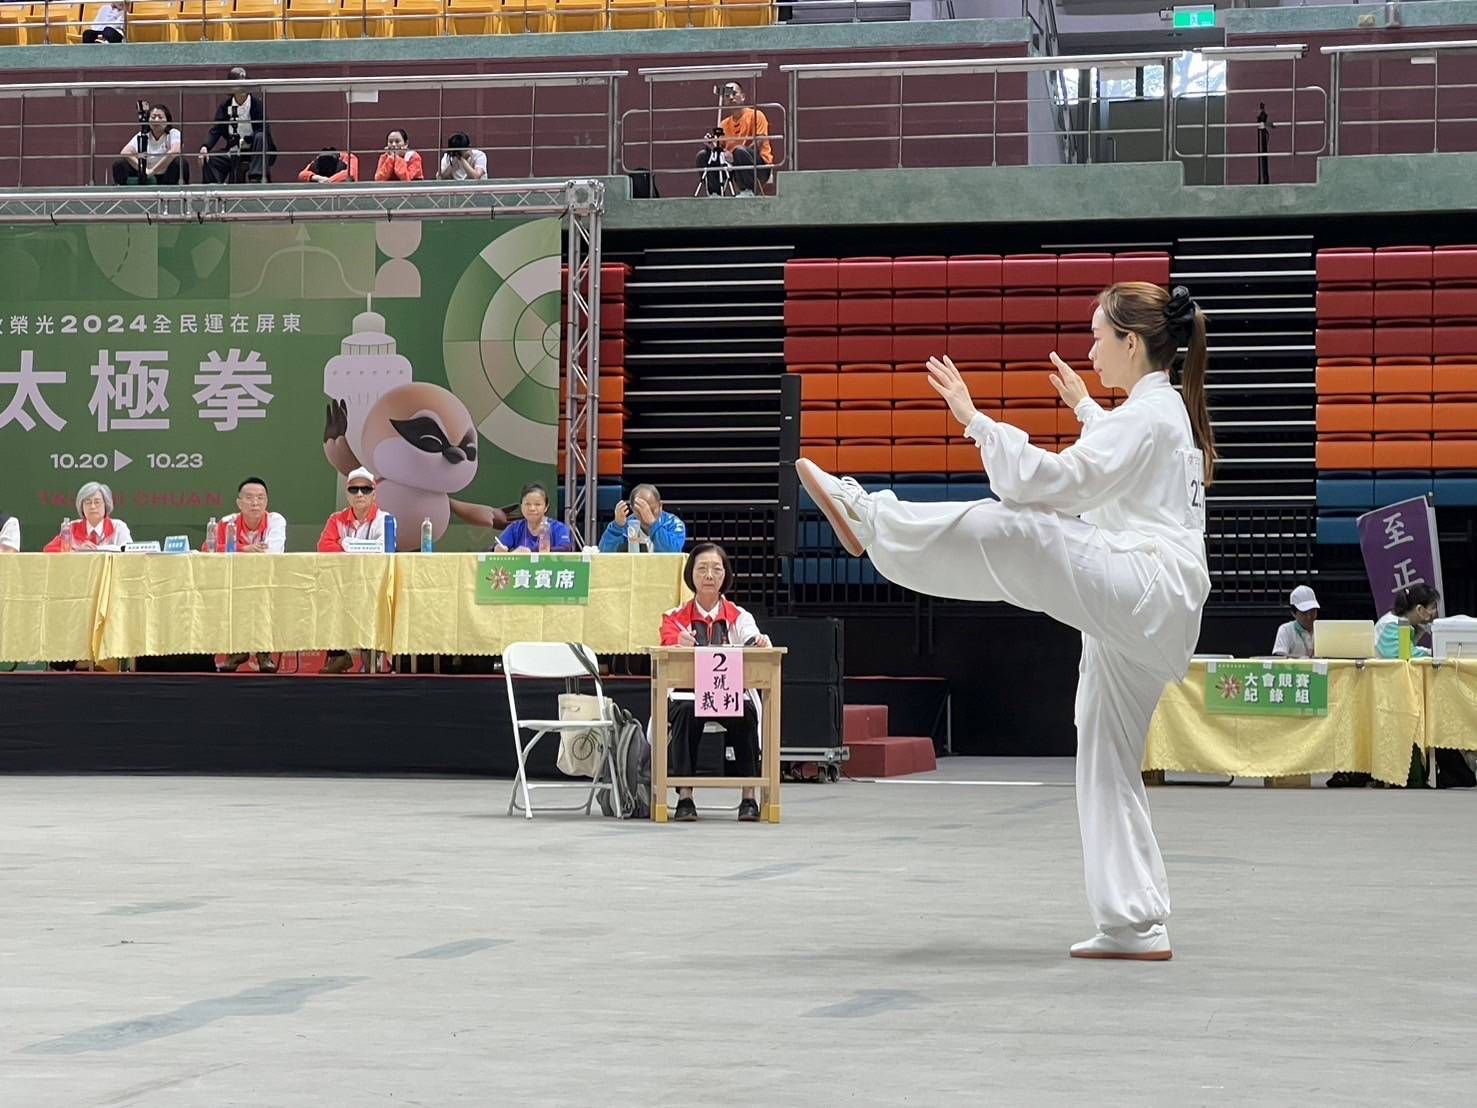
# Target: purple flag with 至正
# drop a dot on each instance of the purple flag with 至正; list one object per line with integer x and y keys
{"x": 1400, "y": 548}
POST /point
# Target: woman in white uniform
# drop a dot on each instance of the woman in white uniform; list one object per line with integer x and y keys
{"x": 1108, "y": 537}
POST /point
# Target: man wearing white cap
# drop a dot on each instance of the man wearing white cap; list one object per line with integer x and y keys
{"x": 1295, "y": 637}
{"x": 362, "y": 519}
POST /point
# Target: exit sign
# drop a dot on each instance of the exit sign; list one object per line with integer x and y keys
{"x": 1202, "y": 15}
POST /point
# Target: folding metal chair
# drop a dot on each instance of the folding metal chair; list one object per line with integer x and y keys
{"x": 552, "y": 660}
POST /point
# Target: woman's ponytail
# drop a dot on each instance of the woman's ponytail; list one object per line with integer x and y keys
{"x": 1192, "y": 388}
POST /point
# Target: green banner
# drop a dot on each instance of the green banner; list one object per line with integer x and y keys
{"x": 532, "y": 579}
{"x": 1267, "y": 688}
{"x": 170, "y": 362}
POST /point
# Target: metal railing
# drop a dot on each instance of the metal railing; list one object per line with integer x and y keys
{"x": 534, "y": 129}
{"x": 673, "y": 128}
{"x": 1460, "y": 56}
{"x": 956, "y": 108}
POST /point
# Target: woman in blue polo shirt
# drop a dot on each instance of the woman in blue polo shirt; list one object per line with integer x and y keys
{"x": 535, "y": 532}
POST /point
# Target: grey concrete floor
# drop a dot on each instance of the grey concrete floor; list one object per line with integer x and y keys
{"x": 338, "y": 941}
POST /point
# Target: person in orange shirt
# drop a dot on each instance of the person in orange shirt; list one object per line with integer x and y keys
{"x": 747, "y": 141}
{"x": 399, "y": 162}
{"x": 331, "y": 167}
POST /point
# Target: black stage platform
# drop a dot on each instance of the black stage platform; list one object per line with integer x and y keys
{"x": 283, "y": 723}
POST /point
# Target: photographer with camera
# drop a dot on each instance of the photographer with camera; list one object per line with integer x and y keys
{"x": 745, "y": 139}
{"x": 152, "y": 156}
{"x": 461, "y": 162}
{"x": 241, "y": 123}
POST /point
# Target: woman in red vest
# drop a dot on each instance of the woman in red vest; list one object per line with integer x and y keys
{"x": 711, "y": 619}
{"x": 97, "y": 529}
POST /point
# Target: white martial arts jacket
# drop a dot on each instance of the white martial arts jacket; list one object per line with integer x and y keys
{"x": 1135, "y": 474}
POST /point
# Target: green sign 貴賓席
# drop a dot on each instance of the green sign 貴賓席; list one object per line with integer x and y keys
{"x": 1267, "y": 688}
{"x": 532, "y": 579}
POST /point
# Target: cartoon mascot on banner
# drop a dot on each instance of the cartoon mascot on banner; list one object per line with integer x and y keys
{"x": 418, "y": 439}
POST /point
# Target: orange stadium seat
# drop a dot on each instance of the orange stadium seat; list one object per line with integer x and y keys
{"x": 526, "y": 16}
{"x": 312, "y": 19}
{"x": 635, "y": 15}
{"x": 365, "y": 18}
{"x": 417, "y": 19}
{"x": 579, "y": 15}
{"x": 254, "y": 20}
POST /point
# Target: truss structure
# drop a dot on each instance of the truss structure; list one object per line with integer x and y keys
{"x": 579, "y": 203}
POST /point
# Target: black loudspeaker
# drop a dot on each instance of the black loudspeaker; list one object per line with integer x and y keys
{"x": 789, "y": 486}
{"x": 816, "y": 648}
{"x": 812, "y": 716}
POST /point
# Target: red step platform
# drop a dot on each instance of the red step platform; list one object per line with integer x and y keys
{"x": 875, "y": 753}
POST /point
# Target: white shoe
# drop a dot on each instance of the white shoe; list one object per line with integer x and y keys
{"x": 747, "y": 192}
{"x": 1147, "y": 944}
{"x": 846, "y": 505}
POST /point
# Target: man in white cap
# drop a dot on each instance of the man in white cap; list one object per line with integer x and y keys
{"x": 1295, "y": 637}
{"x": 362, "y": 519}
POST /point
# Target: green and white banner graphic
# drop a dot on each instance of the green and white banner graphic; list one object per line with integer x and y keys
{"x": 1267, "y": 688}
{"x": 170, "y": 362}
{"x": 532, "y": 579}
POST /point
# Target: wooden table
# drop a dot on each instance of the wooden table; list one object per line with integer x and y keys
{"x": 672, "y": 669}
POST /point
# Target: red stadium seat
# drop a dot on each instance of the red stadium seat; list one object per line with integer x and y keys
{"x": 920, "y": 274}
{"x": 1030, "y": 271}
{"x": 1340, "y": 304}
{"x": 810, "y": 313}
{"x": 810, "y": 276}
{"x": 1401, "y": 303}
{"x": 1345, "y": 265}
{"x": 1454, "y": 265}
{"x": 974, "y": 311}
{"x": 863, "y": 275}
{"x": 1089, "y": 272}
{"x": 974, "y": 272}
{"x": 1345, "y": 342}
{"x": 1402, "y": 264}
{"x": 1394, "y": 341}
{"x": 1142, "y": 265}
{"x": 920, "y": 311}
{"x": 864, "y": 311}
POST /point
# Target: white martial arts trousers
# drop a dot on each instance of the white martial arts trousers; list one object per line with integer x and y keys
{"x": 1079, "y": 575}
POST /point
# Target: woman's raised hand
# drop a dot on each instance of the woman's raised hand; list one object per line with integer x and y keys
{"x": 947, "y": 381}
{"x": 1068, "y": 383}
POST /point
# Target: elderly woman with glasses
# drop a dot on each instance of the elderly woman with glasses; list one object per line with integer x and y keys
{"x": 711, "y": 619}
{"x": 97, "y": 529}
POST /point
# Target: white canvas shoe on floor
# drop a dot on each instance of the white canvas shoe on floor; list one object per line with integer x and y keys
{"x": 1150, "y": 944}
{"x": 846, "y": 505}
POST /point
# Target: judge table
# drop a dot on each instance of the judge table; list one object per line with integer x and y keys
{"x": 63, "y": 607}
{"x": 1377, "y": 709}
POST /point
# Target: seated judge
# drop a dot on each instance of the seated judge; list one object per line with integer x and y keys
{"x": 654, "y": 529}
{"x": 10, "y": 534}
{"x": 97, "y": 529}
{"x": 257, "y": 531}
{"x": 1295, "y": 637}
{"x": 535, "y": 531}
{"x": 362, "y": 519}
{"x": 711, "y": 619}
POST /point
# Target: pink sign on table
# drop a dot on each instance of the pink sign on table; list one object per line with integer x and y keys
{"x": 718, "y": 686}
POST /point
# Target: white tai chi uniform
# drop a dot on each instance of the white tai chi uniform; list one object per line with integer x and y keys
{"x": 1130, "y": 574}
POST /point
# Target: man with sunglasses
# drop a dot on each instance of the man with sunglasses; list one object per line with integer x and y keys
{"x": 362, "y": 519}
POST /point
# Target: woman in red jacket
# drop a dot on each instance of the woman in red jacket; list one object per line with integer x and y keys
{"x": 711, "y": 619}
{"x": 399, "y": 162}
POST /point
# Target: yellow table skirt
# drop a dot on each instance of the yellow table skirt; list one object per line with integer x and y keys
{"x": 436, "y": 611}
{"x": 1451, "y": 703}
{"x": 1376, "y": 711}
{"x": 59, "y": 607}
{"x": 50, "y": 606}
{"x": 215, "y": 604}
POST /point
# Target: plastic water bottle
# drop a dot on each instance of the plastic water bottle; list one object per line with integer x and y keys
{"x": 1405, "y": 639}
{"x": 633, "y": 535}
{"x": 426, "y": 535}
{"x": 210, "y": 536}
{"x": 231, "y": 540}
{"x": 65, "y": 534}
{"x": 389, "y": 533}
{"x": 543, "y": 538}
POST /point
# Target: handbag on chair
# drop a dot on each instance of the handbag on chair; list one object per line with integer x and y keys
{"x": 581, "y": 753}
